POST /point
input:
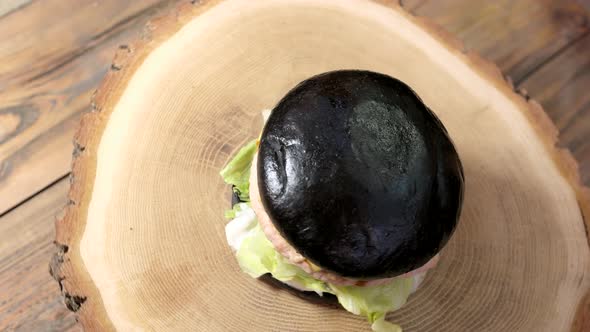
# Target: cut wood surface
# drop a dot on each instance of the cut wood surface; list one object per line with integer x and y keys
{"x": 46, "y": 85}
{"x": 146, "y": 178}
{"x": 47, "y": 75}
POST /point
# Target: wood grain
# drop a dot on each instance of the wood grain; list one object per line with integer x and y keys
{"x": 9, "y": 6}
{"x": 519, "y": 36}
{"x": 56, "y": 41}
{"x": 582, "y": 320}
{"x": 562, "y": 86}
{"x": 47, "y": 75}
{"x": 39, "y": 112}
{"x": 49, "y": 68}
{"x": 411, "y": 5}
{"x": 518, "y": 262}
{"x": 29, "y": 298}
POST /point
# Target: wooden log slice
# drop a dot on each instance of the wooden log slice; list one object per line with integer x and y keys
{"x": 142, "y": 244}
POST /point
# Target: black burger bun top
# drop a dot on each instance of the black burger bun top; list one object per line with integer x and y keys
{"x": 359, "y": 175}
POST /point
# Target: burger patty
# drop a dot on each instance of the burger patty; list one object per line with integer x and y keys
{"x": 295, "y": 258}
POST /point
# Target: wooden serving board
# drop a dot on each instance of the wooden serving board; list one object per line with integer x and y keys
{"x": 142, "y": 246}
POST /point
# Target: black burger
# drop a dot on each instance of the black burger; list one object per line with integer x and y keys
{"x": 352, "y": 189}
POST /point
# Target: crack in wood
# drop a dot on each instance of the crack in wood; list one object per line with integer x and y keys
{"x": 72, "y": 302}
{"x": 78, "y": 149}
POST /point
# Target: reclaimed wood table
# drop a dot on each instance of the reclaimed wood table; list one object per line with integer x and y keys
{"x": 54, "y": 53}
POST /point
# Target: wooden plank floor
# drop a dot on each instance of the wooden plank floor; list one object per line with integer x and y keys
{"x": 50, "y": 65}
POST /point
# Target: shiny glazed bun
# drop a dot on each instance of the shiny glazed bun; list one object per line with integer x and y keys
{"x": 359, "y": 175}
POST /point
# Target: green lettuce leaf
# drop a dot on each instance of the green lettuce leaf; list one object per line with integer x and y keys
{"x": 375, "y": 301}
{"x": 236, "y": 209}
{"x": 257, "y": 256}
{"x": 381, "y": 325}
{"x": 237, "y": 171}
